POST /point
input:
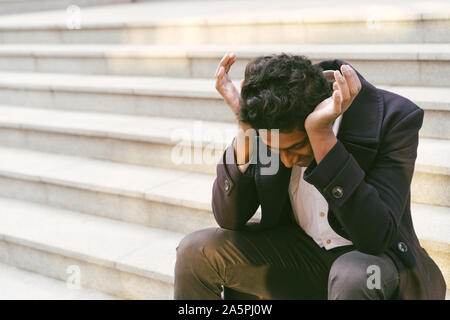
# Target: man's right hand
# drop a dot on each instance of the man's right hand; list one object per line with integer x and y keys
{"x": 232, "y": 97}
{"x": 225, "y": 86}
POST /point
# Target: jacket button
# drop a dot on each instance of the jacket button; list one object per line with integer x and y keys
{"x": 337, "y": 192}
{"x": 227, "y": 185}
{"x": 402, "y": 247}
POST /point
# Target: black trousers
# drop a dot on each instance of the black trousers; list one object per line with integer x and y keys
{"x": 280, "y": 263}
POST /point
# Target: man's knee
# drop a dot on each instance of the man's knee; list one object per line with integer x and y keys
{"x": 201, "y": 244}
{"x": 351, "y": 277}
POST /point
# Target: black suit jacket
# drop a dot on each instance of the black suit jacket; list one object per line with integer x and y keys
{"x": 372, "y": 163}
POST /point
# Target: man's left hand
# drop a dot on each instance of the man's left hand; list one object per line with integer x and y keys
{"x": 345, "y": 89}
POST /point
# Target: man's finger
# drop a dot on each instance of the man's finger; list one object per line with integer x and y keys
{"x": 342, "y": 84}
{"x": 337, "y": 98}
{"x": 230, "y": 61}
{"x": 219, "y": 77}
{"x": 353, "y": 82}
{"x": 221, "y": 63}
{"x": 220, "y": 73}
{"x": 335, "y": 86}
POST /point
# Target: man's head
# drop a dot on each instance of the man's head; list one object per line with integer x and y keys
{"x": 279, "y": 92}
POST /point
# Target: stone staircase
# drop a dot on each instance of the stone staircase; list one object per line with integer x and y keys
{"x": 90, "y": 119}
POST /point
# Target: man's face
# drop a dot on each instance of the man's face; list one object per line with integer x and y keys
{"x": 294, "y": 148}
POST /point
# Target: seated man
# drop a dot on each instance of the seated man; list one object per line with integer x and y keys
{"x": 335, "y": 214}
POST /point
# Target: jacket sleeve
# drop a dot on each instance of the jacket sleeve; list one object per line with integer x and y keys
{"x": 234, "y": 195}
{"x": 369, "y": 206}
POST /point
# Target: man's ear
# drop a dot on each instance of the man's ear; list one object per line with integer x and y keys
{"x": 242, "y": 83}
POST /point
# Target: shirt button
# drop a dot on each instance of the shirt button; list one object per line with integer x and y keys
{"x": 337, "y": 192}
{"x": 328, "y": 241}
{"x": 322, "y": 214}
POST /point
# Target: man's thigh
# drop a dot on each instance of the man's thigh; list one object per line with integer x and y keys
{"x": 280, "y": 263}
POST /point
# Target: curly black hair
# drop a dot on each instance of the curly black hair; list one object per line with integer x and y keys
{"x": 280, "y": 91}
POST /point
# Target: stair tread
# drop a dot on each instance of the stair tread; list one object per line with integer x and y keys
{"x": 128, "y": 247}
{"x": 18, "y": 284}
{"x": 136, "y": 128}
{"x": 439, "y": 97}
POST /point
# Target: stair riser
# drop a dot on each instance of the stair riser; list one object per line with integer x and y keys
{"x": 92, "y": 275}
{"x": 115, "y": 206}
{"x": 432, "y": 189}
{"x": 425, "y": 31}
{"x": 148, "y": 105}
{"x": 170, "y": 156}
{"x": 435, "y": 124}
{"x": 383, "y": 71}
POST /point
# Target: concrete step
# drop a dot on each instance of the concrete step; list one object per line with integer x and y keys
{"x": 165, "y": 97}
{"x": 432, "y": 224}
{"x": 431, "y": 180}
{"x": 181, "y": 144}
{"x": 171, "y": 97}
{"x": 120, "y": 259}
{"x": 188, "y": 145}
{"x": 149, "y": 196}
{"x": 18, "y": 284}
{"x": 237, "y": 22}
{"x": 389, "y": 64}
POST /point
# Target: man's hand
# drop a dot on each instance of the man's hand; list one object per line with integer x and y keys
{"x": 319, "y": 124}
{"x": 345, "y": 89}
{"x": 225, "y": 86}
{"x": 243, "y": 142}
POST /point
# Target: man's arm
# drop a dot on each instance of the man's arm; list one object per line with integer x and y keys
{"x": 234, "y": 196}
{"x": 370, "y": 207}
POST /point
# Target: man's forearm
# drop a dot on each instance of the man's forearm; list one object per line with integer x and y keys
{"x": 322, "y": 143}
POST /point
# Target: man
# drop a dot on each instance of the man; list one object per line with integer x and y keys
{"x": 336, "y": 219}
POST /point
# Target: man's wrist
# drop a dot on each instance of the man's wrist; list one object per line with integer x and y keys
{"x": 321, "y": 142}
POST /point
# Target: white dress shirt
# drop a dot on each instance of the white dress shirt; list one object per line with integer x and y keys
{"x": 310, "y": 207}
